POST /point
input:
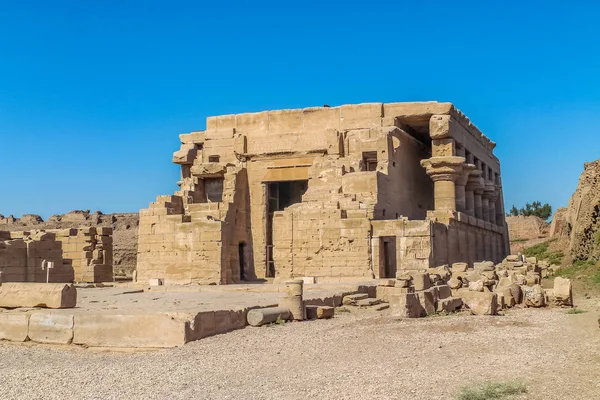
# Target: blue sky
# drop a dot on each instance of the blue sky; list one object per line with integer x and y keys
{"x": 94, "y": 93}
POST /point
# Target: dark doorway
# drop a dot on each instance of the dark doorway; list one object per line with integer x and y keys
{"x": 280, "y": 195}
{"x": 387, "y": 257}
{"x": 213, "y": 187}
{"x": 242, "y": 258}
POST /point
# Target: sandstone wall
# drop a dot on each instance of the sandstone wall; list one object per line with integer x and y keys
{"x": 526, "y": 227}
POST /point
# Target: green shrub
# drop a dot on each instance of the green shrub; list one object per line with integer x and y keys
{"x": 492, "y": 390}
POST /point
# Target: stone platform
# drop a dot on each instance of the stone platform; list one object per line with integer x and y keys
{"x": 129, "y": 315}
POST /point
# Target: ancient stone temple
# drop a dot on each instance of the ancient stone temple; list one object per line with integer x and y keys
{"x": 337, "y": 193}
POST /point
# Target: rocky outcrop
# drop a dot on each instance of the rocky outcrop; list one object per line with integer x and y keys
{"x": 581, "y": 220}
{"x": 124, "y": 225}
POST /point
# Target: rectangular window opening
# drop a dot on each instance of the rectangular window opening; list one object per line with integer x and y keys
{"x": 369, "y": 159}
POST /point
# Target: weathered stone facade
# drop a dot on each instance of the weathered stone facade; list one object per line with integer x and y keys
{"x": 337, "y": 193}
{"x": 79, "y": 255}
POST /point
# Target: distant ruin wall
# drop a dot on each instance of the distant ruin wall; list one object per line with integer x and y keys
{"x": 79, "y": 255}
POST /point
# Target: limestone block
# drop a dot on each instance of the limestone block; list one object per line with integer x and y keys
{"x": 459, "y": 267}
{"x": 483, "y": 266}
{"x": 407, "y": 305}
{"x": 368, "y": 302}
{"x": 420, "y": 281}
{"x": 367, "y": 115}
{"x": 476, "y": 286}
{"x": 534, "y": 296}
{"x": 144, "y": 330}
{"x": 319, "y": 312}
{"x": 319, "y": 119}
{"x": 507, "y": 296}
{"x": 439, "y": 126}
{"x": 46, "y": 327}
{"x": 480, "y": 303}
{"x": 14, "y": 326}
{"x": 443, "y": 291}
{"x": 351, "y": 299}
{"x": 155, "y": 282}
{"x": 455, "y": 283}
{"x": 428, "y": 300}
{"x": 563, "y": 292}
{"x": 450, "y": 304}
{"x": 48, "y": 295}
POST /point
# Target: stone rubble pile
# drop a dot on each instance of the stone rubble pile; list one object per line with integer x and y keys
{"x": 484, "y": 289}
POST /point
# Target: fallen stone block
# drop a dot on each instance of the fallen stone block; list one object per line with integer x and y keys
{"x": 534, "y": 296}
{"x": 46, "y": 327}
{"x": 428, "y": 300}
{"x": 262, "y": 316}
{"x": 450, "y": 304}
{"x": 407, "y": 305}
{"x": 563, "y": 292}
{"x": 367, "y": 302}
{"x": 480, "y": 303}
{"x": 443, "y": 291}
{"x": 455, "y": 283}
{"x": 381, "y": 307}
{"x": 14, "y": 326}
{"x": 483, "y": 266}
{"x": 476, "y": 286}
{"x": 420, "y": 281}
{"x": 147, "y": 330}
{"x": 48, "y": 295}
{"x": 459, "y": 267}
{"x": 319, "y": 312}
{"x": 384, "y": 292}
{"x": 351, "y": 299}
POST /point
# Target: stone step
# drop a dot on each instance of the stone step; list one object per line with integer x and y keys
{"x": 368, "y": 302}
{"x": 351, "y": 299}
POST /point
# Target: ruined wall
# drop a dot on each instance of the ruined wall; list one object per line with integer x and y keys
{"x": 124, "y": 232}
{"x": 79, "y": 255}
{"x": 21, "y": 255}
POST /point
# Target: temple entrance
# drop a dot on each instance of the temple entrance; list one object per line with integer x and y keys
{"x": 387, "y": 257}
{"x": 280, "y": 195}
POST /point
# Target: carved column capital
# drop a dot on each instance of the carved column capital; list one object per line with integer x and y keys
{"x": 465, "y": 174}
{"x": 443, "y": 168}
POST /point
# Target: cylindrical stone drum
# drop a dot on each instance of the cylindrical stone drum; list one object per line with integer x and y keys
{"x": 294, "y": 288}
{"x": 296, "y": 306}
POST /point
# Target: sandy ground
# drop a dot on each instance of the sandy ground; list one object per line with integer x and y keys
{"x": 356, "y": 355}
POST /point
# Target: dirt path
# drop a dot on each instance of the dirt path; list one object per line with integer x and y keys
{"x": 358, "y": 355}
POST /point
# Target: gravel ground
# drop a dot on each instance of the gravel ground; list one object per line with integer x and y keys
{"x": 357, "y": 355}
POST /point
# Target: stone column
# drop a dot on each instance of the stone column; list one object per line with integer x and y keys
{"x": 474, "y": 189}
{"x": 487, "y": 199}
{"x": 461, "y": 181}
{"x": 499, "y": 207}
{"x": 443, "y": 172}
